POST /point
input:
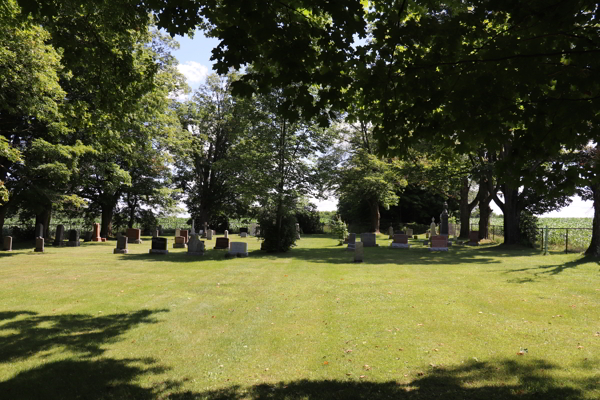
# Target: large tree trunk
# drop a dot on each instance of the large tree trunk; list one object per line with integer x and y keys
{"x": 106, "y": 225}
{"x": 512, "y": 214}
{"x": 465, "y": 209}
{"x": 375, "y": 216}
{"x": 465, "y": 212}
{"x": 594, "y": 249}
{"x": 44, "y": 217}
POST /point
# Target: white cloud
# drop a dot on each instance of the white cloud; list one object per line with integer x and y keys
{"x": 194, "y": 71}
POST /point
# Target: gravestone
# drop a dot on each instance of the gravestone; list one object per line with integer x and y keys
{"x": 121, "y": 245}
{"x": 409, "y": 232}
{"x": 400, "y": 242}
{"x": 155, "y": 233}
{"x": 244, "y": 234}
{"x": 60, "y": 233}
{"x": 444, "y": 220}
{"x": 391, "y": 232}
{"x": 432, "y": 227}
{"x": 473, "y": 238}
{"x": 96, "y": 233}
{"x": 134, "y": 235}
{"x": 73, "y": 238}
{"x": 195, "y": 246}
{"x": 209, "y": 234}
{"x": 179, "y": 242}
{"x": 359, "y": 252}
{"x": 159, "y": 246}
{"x": 439, "y": 243}
{"x": 226, "y": 234}
{"x": 204, "y": 231}
{"x": 222, "y": 244}
{"x": 297, "y": 230}
{"x": 351, "y": 241}
{"x": 184, "y": 234}
{"x": 368, "y": 239}
{"x": 177, "y": 232}
{"x": 7, "y": 245}
{"x": 87, "y": 237}
{"x": 39, "y": 245}
{"x": 238, "y": 249}
{"x": 252, "y": 230}
{"x": 39, "y": 230}
{"x": 193, "y": 231}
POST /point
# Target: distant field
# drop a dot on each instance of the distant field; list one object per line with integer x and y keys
{"x": 579, "y": 239}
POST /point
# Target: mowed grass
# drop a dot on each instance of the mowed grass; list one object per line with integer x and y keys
{"x": 474, "y": 323}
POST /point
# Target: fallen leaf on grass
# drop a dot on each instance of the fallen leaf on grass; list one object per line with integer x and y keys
{"x": 580, "y": 347}
{"x": 326, "y": 363}
{"x": 366, "y": 367}
{"x": 362, "y": 376}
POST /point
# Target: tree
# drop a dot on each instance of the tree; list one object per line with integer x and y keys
{"x": 276, "y": 162}
{"x": 31, "y": 118}
{"x": 132, "y": 146}
{"x": 213, "y": 122}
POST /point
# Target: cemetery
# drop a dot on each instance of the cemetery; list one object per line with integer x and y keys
{"x": 312, "y": 200}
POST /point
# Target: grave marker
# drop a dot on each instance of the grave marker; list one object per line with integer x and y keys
{"x": 121, "y": 245}
{"x": 209, "y": 234}
{"x": 179, "y": 243}
{"x": 159, "y": 246}
{"x": 7, "y": 245}
{"x": 134, "y": 235}
{"x": 439, "y": 243}
{"x": 96, "y": 233}
{"x": 73, "y": 238}
{"x": 391, "y": 232}
{"x": 60, "y": 233}
{"x": 226, "y": 234}
{"x": 432, "y": 227}
{"x": 238, "y": 249}
{"x": 244, "y": 234}
{"x": 222, "y": 244}
{"x": 368, "y": 239}
{"x": 359, "y": 252}
{"x": 195, "y": 246}
{"x": 39, "y": 245}
{"x": 400, "y": 242}
{"x": 473, "y": 238}
{"x": 351, "y": 241}
{"x": 184, "y": 233}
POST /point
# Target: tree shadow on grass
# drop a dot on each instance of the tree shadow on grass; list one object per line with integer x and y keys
{"x": 505, "y": 380}
{"x": 83, "y": 334}
{"x": 90, "y": 375}
{"x": 417, "y": 255}
{"x": 541, "y": 271}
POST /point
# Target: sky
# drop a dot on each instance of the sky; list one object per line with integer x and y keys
{"x": 194, "y": 62}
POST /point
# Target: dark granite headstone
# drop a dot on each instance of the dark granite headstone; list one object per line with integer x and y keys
{"x": 159, "y": 246}
{"x": 60, "y": 233}
{"x": 7, "y": 245}
{"x": 73, "y": 238}
{"x": 222, "y": 244}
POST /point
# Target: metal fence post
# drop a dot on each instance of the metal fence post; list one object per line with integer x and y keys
{"x": 546, "y": 242}
{"x": 567, "y": 242}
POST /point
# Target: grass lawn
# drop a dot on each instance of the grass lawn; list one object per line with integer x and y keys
{"x": 474, "y": 323}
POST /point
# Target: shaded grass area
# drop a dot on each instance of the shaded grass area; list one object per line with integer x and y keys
{"x": 309, "y": 324}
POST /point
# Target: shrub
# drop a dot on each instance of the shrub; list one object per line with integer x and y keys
{"x": 276, "y": 240}
{"x": 528, "y": 229}
{"x": 339, "y": 229}
{"x": 309, "y": 219}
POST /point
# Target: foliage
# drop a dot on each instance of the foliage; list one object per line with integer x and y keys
{"x": 339, "y": 228}
{"x": 309, "y": 218}
{"x": 278, "y": 233}
{"x": 529, "y": 229}
{"x": 212, "y": 123}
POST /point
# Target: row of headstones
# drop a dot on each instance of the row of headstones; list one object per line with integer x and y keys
{"x": 195, "y": 246}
